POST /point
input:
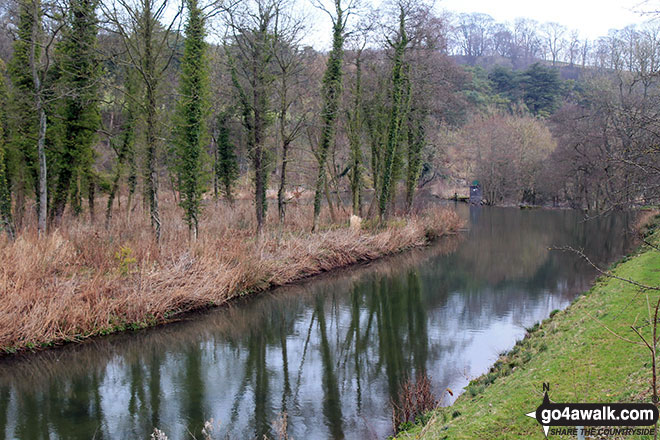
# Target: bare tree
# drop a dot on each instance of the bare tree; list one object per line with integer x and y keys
{"x": 474, "y": 34}
{"x": 526, "y": 38}
{"x": 553, "y": 34}
{"x": 254, "y": 29}
{"x": 573, "y": 47}
{"x": 148, "y": 46}
{"x": 290, "y": 61}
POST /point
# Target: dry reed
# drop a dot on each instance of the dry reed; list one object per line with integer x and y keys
{"x": 415, "y": 400}
{"x": 83, "y": 280}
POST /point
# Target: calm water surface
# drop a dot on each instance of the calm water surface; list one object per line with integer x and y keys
{"x": 330, "y": 352}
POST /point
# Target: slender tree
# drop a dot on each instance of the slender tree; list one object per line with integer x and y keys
{"x": 397, "y": 114}
{"x": 126, "y": 151}
{"x": 255, "y": 32}
{"x": 24, "y": 121}
{"x": 355, "y": 123}
{"x": 330, "y": 94}
{"x": 416, "y": 142}
{"x": 148, "y": 47}
{"x": 6, "y": 220}
{"x": 78, "y": 113}
{"x": 225, "y": 164}
{"x": 192, "y": 108}
{"x": 375, "y": 119}
{"x": 289, "y": 68}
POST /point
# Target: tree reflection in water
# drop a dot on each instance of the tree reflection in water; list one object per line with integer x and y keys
{"x": 330, "y": 353}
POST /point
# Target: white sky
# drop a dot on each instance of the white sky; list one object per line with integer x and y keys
{"x": 593, "y": 18}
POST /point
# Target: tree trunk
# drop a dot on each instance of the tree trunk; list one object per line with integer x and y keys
{"x": 333, "y": 215}
{"x": 152, "y": 174}
{"x": 43, "y": 173}
{"x": 149, "y": 61}
{"x": 41, "y": 139}
{"x": 91, "y": 202}
{"x": 259, "y": 190}
{"x": 281, "y": 208}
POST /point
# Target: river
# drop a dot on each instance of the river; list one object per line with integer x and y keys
{"x": 329, "y": 352}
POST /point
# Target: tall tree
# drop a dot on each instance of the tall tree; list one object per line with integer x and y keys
{"x": 23, "y": 122}
{"x": 255, "y": 29}
{"x": 330, "y": 94}
{"x": 192, "y": 109}
{"x": 29, "y": 65}
{"x": 79, "y": 117}
{"x": 355, "y": 123}
{"x": 225, "y": 164}
{"x": 149, "y": 48}
{"x": 400, "y": 85}
{"x": 554, "y": 40}
{"x": 416, "y": 142}
{"x": 290, "y": 65}
{"x": 6, "y": 220}
{"x": 126, "y": 150}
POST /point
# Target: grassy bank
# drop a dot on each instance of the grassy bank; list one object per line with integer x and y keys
{"x": 83, "y": 280}
{"x": 587, "y": 353}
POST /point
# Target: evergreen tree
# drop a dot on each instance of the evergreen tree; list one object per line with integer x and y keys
{"x": 23, "y": 120}
{"x": 78, "y": 112}
{"x": 6, "y": 221}
{"x": 330, "y": 94}
{"x": 191, "y": 115}
{"x": 225, "y": 166}
{"x": 541, "y": 89}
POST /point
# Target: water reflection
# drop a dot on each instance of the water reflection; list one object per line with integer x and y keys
{"x": 331, "y": 353}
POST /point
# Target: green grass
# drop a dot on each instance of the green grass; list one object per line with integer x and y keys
{"x": 575, "y": 351}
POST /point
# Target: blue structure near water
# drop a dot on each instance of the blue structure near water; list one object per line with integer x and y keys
{"x": 475, "y": 193}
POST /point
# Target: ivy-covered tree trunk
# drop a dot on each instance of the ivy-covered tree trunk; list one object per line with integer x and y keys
{"x": 78, "y": 113}
{"x": 258, "y": 157}
{"x": 91, "y": 195}
{"x": 286, "y": 141}
{"x": 23, "y": 120}
{"x": 5, "y": 199}
{"x": 376, "y": 124}
{"x": 416, "y": 141}
{"x": 191, "y": 115}
{"x": 355, "y": 140}
{"x": 6, "y": 220}
{"x": 330, "y": 94}
{"x": 255, "y": 40}
{"x": 226, "y": 165}
{"x": 397, "y": 113}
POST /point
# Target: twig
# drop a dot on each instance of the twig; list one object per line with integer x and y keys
{"x": 605, "y": 272}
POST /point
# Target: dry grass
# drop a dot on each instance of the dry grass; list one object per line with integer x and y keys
{"x": 415, "y": 399}
{"x": 82, "y": 280}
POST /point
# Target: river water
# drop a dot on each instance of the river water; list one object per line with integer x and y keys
{"x": 330, "y": 352}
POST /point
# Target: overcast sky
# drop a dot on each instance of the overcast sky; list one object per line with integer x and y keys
{"x": 593, "y": 18}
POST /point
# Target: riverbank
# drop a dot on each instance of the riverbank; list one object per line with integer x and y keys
{"x": 85, "y": 281}
{"x": 587, "y": 353}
